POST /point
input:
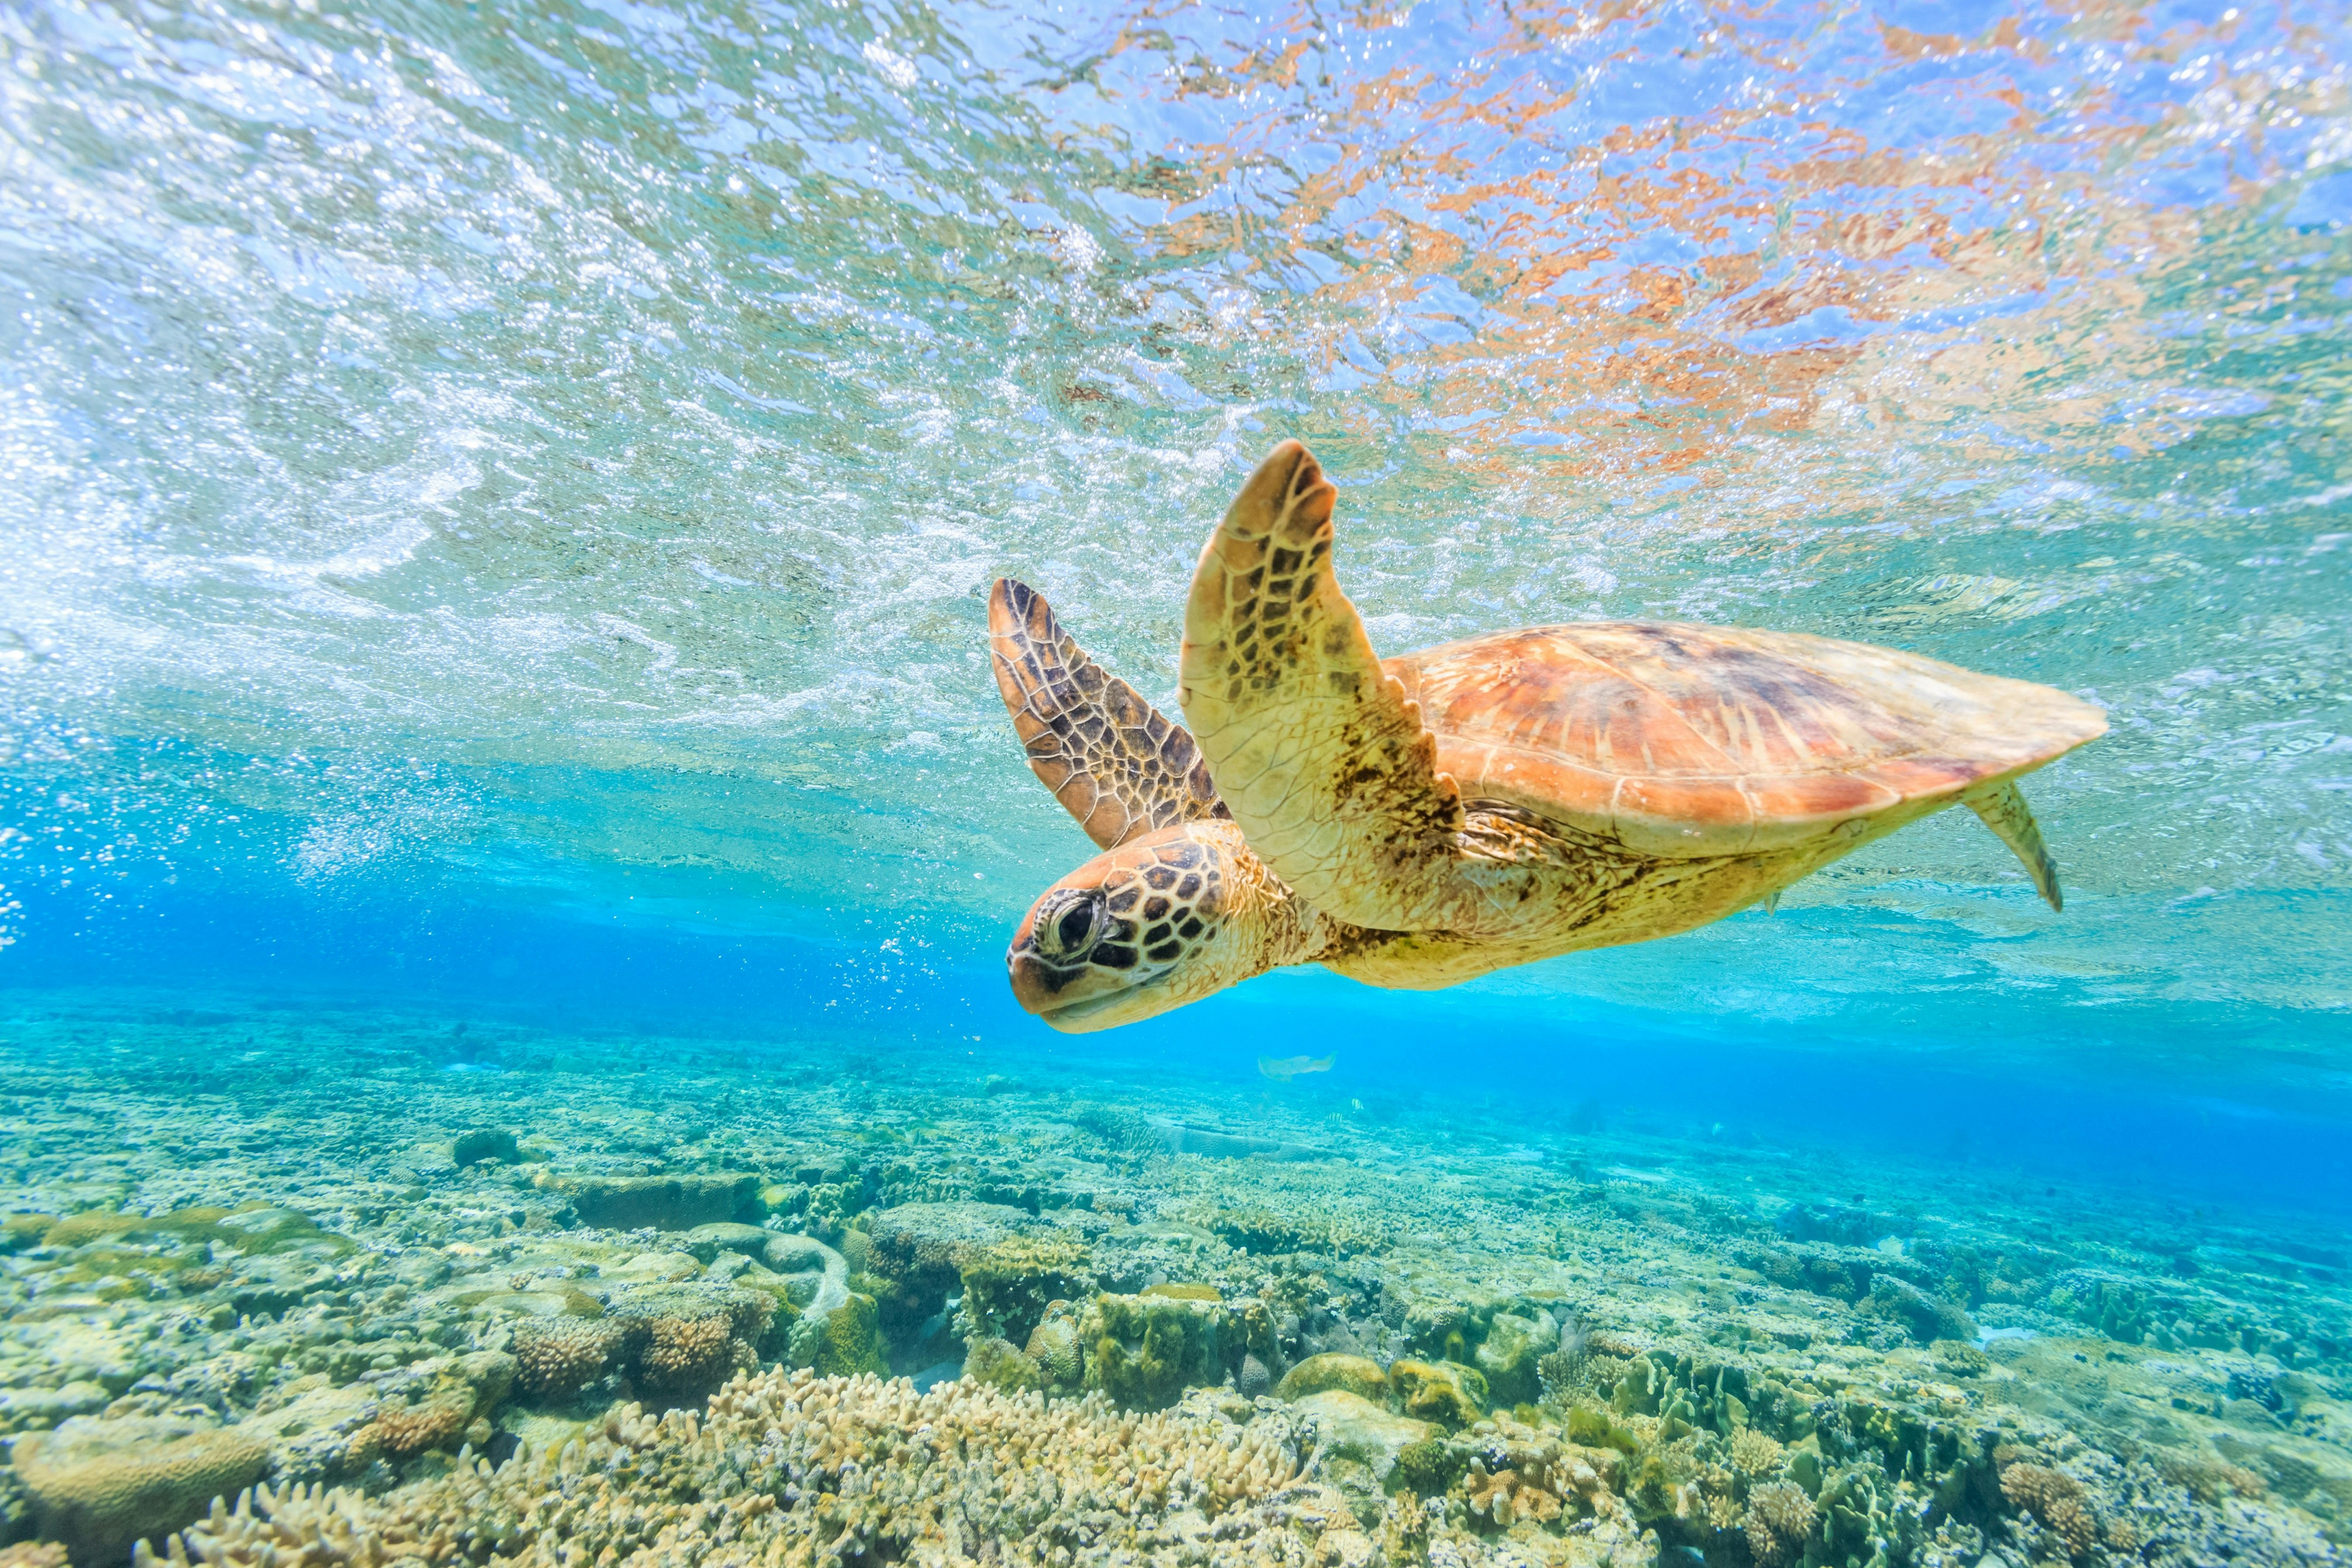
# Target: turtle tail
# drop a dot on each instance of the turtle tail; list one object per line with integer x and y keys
{"x": 2004, "y": 811}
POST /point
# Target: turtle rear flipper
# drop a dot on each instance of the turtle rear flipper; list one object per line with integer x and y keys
{"x": 2004, "y": 811}
{"x": 1114, "y": 761}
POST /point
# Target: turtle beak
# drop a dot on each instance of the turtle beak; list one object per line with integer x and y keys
{"x": 1035, "y": 986}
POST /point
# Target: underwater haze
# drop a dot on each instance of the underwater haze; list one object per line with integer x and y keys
{"x": 508, "y": 834}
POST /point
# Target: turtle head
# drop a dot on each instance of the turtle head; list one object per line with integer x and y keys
{"x": 1164, "y": 919}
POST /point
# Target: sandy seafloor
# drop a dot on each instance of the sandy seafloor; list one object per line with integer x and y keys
{"x": 651, "y": 1317}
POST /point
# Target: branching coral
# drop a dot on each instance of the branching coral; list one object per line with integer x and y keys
{"x": 1779, "y": 1518}
{"x": 1755, "y": 1453}
{"x": 790, "y": 1467}
{"x": 2057, "y": 1502}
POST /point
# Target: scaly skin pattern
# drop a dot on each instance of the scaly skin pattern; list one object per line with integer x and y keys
{"x": 1112, "y": 760}
{"x": 1314, "y": 749}
{"x": 1162, "y": 920}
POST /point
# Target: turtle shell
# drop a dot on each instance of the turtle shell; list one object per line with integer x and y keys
{"x": 1702, "y": 740}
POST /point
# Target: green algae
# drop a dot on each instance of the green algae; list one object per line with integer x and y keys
{"x": 849, "y": 1340}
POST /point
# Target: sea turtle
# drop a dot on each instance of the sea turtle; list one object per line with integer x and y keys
{"x": 1418, "y": 820}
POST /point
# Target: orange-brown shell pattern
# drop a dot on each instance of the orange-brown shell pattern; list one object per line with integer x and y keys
{"x": 1684, "y": 740}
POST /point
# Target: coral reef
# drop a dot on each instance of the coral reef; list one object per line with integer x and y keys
{"x": 1468, "y": 1342}
{"x": 1056, "y": 1350}
{"x": 1145, "y": 1350}
{"x": 788, "y": 1465}
{"x": 1780, "y": 1517}
{"x": 1355, "y": 1374}
{"x": 2057, "y": 1502}
{"x": 689, "y": 1336}
{"x": 472, "y": 1148}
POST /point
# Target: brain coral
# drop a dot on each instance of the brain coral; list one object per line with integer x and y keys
{"x": 790, "y": 1469}
{"x": 1054, "y": 1348}
{"x": 99, "y": 1486}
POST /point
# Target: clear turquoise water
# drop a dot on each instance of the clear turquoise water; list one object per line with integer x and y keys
{"x": 497, "y": 502}
{"x": 500, "y": 500}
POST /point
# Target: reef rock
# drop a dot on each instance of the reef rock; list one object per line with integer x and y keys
{"x": 925, "y": 1245}
{"x": 708, "y": 1241}
{"x": 663, "y": 1202}
{"x": 1352, "y": 1426}
{"x": 1145, "y": 1350}
{"x": 1508, "y": 1356}
{"x": 1445, "y": 1392}
{"x": 1356, "y": 1374}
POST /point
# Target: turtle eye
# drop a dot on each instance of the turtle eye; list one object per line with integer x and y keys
{"x": 1069, "y": 931}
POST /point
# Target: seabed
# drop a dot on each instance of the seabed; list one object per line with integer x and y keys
{"x": 399, "y": 1289}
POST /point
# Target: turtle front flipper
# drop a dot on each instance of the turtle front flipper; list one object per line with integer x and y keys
{"x": 1324, "y": 763}
{"x": 1112, "y": 759}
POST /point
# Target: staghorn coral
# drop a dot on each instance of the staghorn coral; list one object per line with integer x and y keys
{"x": 99, "y": 1485}
{"x": 1779, "y": 1518}
{"x": 557, "y": 1358}
{"x": 2057, "y": 1502}
{"x": 790, "y": 1467}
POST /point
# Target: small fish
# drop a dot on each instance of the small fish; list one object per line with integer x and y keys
{"x": 1284, "y": 1070}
